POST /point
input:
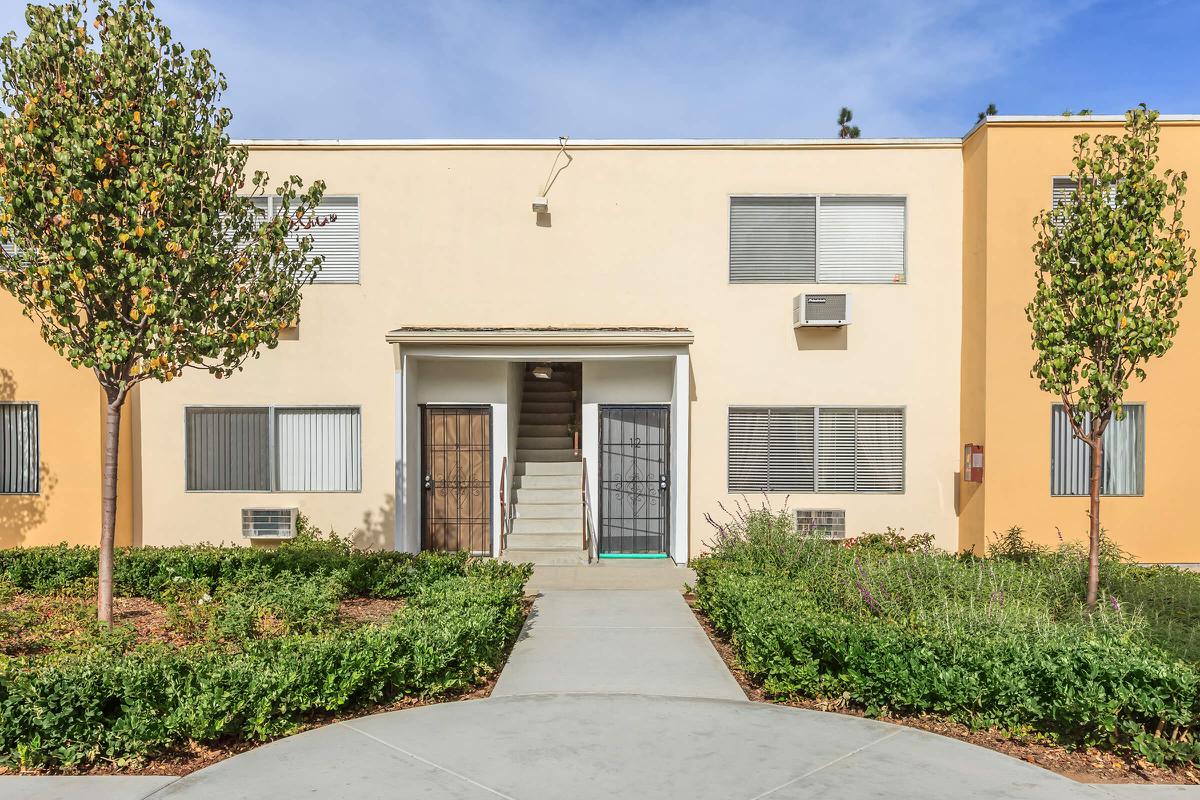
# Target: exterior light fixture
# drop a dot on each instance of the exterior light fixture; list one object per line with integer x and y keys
{"x": 541, "y": 205}
{"x": 543, "y": 372}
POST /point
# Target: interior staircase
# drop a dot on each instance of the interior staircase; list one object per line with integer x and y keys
{"x": 547, "y": 503}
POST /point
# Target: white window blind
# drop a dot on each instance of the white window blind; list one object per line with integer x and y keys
{"x": 19, "y": 455}
{"x": 810, "y": 449}
{"x": 318, "y": 449}
{"x": 1123, "y": 469}
{"x": 784, "y": 239}
{"x": 267, "y": 448}
{"x": 860, "y": 240}
{"x": 336, "y": 242}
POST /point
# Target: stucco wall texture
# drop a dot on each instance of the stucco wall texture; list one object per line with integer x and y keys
{"x": 638, "y": 235}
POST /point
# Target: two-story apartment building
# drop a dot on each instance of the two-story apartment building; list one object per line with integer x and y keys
{"x": 470, "y": 373}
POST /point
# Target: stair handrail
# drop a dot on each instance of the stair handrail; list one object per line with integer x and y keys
{"x": 503, "y": 504}
{"x": 589, "y": 538}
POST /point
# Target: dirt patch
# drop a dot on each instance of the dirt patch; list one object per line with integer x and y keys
{"x": 368, "y": 611}
{"x": 39, "y": 621}
{"x": 1085, "y": 766}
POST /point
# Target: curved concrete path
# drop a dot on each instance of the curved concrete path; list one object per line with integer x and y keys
{"x": 620, "y": 746}
{"x": 619, "y": 694}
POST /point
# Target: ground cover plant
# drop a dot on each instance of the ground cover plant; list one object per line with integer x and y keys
{"x": 219, "y": 645}
{"x": 891, "y": 625}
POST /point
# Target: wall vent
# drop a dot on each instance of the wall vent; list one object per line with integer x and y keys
{"x": 269, "y": 523}
{"x": 816, "y": 310}
{"x": 823, "y": 523}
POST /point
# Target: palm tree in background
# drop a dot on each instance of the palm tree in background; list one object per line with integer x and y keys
{"x": 845, "y": 129}
{"x": 990, "y": 111}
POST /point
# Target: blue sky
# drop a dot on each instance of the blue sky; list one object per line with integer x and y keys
{"x": 614, "y": 68}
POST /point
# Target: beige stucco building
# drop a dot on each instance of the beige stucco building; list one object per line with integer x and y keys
{"x": 595, "y": 378}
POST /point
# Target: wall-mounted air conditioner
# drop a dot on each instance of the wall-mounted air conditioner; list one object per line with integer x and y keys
{"x": 820, "y": 310}
{"x": 269, "y": 523}
{"x": 821, "y": 523}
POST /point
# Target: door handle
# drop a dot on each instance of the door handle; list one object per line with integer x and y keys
{"x": 428, "y": 483}
{"x": 662, "y": 483}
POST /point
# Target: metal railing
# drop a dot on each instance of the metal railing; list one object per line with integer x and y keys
{"x": 589, "y": 536}
{"x": 504, "y": 505}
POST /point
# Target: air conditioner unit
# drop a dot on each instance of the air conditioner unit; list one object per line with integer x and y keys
{"x": 821, "y": 310}
{"x": 269, "y": 523}
{"x": 821, "y": 523}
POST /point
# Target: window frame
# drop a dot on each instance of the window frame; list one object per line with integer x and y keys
{"x": 816, "y": 197}
{"x": 272, "y": 446}
{"x": 1145, "y": 472}
{"x": 37, "y": 448}
{"x": 817, "y": 408}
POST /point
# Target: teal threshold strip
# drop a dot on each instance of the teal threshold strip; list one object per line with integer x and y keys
{"x": 633, "y": 555}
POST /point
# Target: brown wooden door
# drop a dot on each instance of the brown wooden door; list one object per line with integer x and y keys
{"x": 456, "y": 471}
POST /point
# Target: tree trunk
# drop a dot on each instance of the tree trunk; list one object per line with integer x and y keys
{"x": 108, "y": 509}
{"x": 1093, "y": 579}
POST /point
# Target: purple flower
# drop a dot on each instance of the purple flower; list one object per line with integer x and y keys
{"x": 1112, "y": 601}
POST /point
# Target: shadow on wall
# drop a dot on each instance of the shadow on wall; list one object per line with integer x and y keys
{"x": 377, "y": 528}
{"x": 21, "y": 513}
{"x": 822, "y": 338}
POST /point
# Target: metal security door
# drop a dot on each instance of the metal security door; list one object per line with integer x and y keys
{"x": 635, "y": 480}
{"x": 456, "y": 473}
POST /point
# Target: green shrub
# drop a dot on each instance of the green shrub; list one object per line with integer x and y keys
{"x": 109, "y": 704}
{"x": 149, "y": 571}
{"x": 1004, "y": 641}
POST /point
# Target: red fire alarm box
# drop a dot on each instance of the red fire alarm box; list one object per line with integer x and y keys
{"x": 973, "y": 463}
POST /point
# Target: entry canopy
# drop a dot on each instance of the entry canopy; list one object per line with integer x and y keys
{"x": 541, "y": 335}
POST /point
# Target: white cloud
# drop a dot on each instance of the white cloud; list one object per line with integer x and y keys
{"x": 473, "y": 68}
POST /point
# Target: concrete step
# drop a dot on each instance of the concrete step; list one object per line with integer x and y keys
{"x": 546, "y": 455}
{"x": 543, "y": 430}
{"x": 565, "y": 481}
{"x": 554, "y": 384}
{"x": 552, "y": 496}
{"x": 548, "y": 397}
{"x": 550, "y": 407}
{"x": 556, "y": 510}
{"x": 545, "y": 419}
{"x": 549, "y": 528}
{"x": 550, "y": 468}
{"x": 546, "y": 558}
{"x": 544, "y": 442}
{"x": 545, "y": 541}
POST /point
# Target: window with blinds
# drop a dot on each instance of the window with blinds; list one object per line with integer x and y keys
{"x": 1123, "y": 466}
{"x": 19, "y": 455}
{"x": 817, "y": 239}
{"x": 1062, "y": 189}
{"x": 336, "y": 242}
{"x": 815, "y": 449}
{"x": 273, "y": 449}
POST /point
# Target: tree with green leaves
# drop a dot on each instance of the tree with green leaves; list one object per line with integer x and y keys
{"x": 990, "y": 111}
{"x": 134, "y": 241}
{"x": 845, "y": 129}
{"x": 1113, "y": 263}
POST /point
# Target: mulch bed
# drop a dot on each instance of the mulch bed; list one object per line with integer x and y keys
{"x": 1085, "y": 766}
{"x": 150, "y": 621}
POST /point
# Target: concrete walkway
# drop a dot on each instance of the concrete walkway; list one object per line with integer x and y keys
{"x": 615, "y": 642}
{"x": 611, "y": 693}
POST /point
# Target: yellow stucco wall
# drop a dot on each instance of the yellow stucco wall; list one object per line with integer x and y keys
{"x": 636, "y": 236}
{"x": 71, "y": 423}
{"x": 1019, "y": 159}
